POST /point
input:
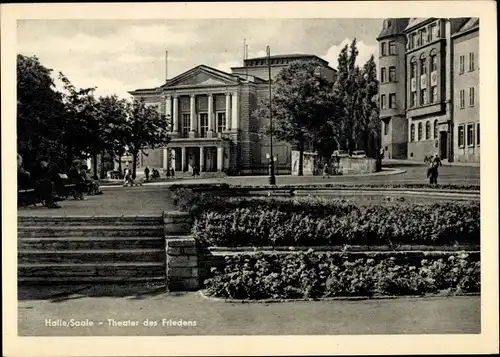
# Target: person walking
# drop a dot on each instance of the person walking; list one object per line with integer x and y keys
{"x": 432, "y": 172}
{"x": 146, "y": 172}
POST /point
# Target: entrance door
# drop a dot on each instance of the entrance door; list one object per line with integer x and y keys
{"x": 443, "y": 145}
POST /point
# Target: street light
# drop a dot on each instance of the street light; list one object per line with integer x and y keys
{"x": 272, "y": 178}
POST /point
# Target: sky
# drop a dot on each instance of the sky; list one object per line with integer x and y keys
{"x": 117, "y": 56}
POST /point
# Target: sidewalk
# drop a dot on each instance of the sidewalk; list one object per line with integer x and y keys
{"x": 415, "y": 162}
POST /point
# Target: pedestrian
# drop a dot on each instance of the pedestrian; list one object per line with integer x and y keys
{"x": 168, "y": 172}
{"x": 146, "y": 172}
{"x": 126, "y": 177}
{"x": 172, "y": 172}
{"x": 432, "y": 171}
{"x": 326, "y": 171}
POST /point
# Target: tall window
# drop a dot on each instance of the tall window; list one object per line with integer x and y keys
{"x": 383, "y": 75}
{"x": 411, "y": 41}
{"x": 434, "y": 62}
{"x": 462, "y": 64}
{"x": 392, "y": 48}
{"x": 419, "y": 39}
{"x": 383, "y": 103}
{"x": 221, "y": 122}
{"x": 427, "y": 130}
{"x": 392, "y": 74}
{"x": 434, "y": 94}
{"x": 392, "y": 100}
{"x": 436, "y": 129}
{"x": 461, "y": 136}
{"x": 413, "y": 68}
{"x": 423, "y": 35}
{"x": 471, "y": 96}
{"x": 462, "y": 98}
{"x": 412, "y": 132}
{"x": 432, "y": 32}
{"x": 186, "y": 123}
{"x": 471, "y": 61}
{"x": 386, "y": 128}
{"x": 470, "y": 135}
{"x": 203, "y": 124}
{"x": 477, "y": 135}
{"x": 419, "y": 131}
{"x": 383, "y": 49}
{"x": 423, "y": 65}
{"x": 413, "y": 99}
{"x": 413, "y": 82}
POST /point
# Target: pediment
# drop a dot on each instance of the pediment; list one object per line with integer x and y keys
{"x": 202, "y": 76}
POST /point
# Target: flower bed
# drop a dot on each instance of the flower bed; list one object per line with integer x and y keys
{"x": 314, "y": 275}
{"x": 315, "y": 222}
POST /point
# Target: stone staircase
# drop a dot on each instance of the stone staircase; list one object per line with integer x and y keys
{"x": 102, "y": 249}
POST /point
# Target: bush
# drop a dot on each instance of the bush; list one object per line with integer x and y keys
{"x": 316, "y": 223}
{"x": 314, "y": 275}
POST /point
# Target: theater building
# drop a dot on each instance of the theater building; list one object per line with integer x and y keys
{"x": 212, "y": 123}
{"x": 431, "y": 86}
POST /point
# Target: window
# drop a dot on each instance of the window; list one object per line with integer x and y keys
{"x": 413, "y": 68}
{"x": 383, "y": 75}
{"x": 423, "y": 65}
{"x": 386, "y": 128}
{"x": 471, "y": 61}
{"x": 423, "y": 36}
{"x": 434, "y": 31}
{"x": 436, "y": 129}
{"x": 427, "y": 130}
{"x": 383, "y": 48}
{"x": 461, "y": 138}
{"x": 471, "y": 96}
{"x": 419, "y": 131}
{"x": 462, "y": 98}
{"x": 462, "y": 64}
{"x": 434, "y": 62}
{"x": 413, "y": 37}
{"x": 470, "y": 135}
{"x": 392, "y": 74}
{"x": 186, "y": 123}
{"x": 382, "y": 102}
{"x": 203, "y": 124}
{"x": 419, "y": 39}
{"x": 477, "y": 135}
{"x": 412, "y": 132}
{"x": 413, "y": 99}
{"x": 392, "y": 100}
{"x": 392, "y": 48}
{"x": 221, "y": 122}
{"x": 423, "y": 96}
{"x": 434, "y": 94}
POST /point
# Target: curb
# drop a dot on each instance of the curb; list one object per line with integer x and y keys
{"x": 337, "y": 298}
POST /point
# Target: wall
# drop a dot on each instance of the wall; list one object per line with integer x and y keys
{"x": 463, "y": 45}
{"x": 350, "y": 165}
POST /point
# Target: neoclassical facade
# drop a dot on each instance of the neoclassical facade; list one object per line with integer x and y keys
{"x": 212, "y": 126}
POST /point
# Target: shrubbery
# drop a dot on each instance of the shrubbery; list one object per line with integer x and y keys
{"x": 314, "y": 275}
{"x": 315, "y": 222}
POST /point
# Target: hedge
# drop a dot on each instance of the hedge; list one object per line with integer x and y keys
{"x": 317, "y": 222}
{"x": 316, "y": 275}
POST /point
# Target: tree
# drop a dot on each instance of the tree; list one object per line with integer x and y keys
{"x": 145, "y": 128}
{"x": 302, "y": 103}
{"x": 39, "y": 110}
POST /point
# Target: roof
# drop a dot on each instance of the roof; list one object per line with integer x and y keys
{"x": 393, "y": 27}
{"x": 417, "y": 21}
{"x": 471, "y": 24}
{"x": 288, "y": 56}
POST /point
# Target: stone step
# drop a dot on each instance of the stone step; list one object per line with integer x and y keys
{"x": 89, "y": 220}
{"x": 86, "y": 243}
{"x": 73, "y": 280}
{"x": 102, "y": 269}
{"x": 92, "y": 231}
{"x": 91, "y": 255}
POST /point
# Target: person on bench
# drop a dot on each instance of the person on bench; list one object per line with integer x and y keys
{"x": 39, "y": 180}
{"x": 76, "y": 178}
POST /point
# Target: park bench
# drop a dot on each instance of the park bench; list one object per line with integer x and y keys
{"x": 27, "y": 197}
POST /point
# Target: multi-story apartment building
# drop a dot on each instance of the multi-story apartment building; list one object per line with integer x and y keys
{"x": 432, "y": 88}
{"x": 211, "y": 114}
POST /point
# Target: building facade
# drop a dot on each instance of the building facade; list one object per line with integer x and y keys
{"x": 212, "y": 123}
{"x": 433, "y": 86}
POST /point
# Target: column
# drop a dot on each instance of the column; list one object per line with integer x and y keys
{"x": 235, "y": 112}
{"x": 228, "y": 111}
{"x": 210, "y": 130}
{"x": 165, "y": 158}
{"x": 168, "y": 111}
{"x": 192, "y": 116}
{"x": 183, "y": 159}
{"x": 202, "y": 159}
{"x": 220, "y": 158}
{"x": 175, "y": 114}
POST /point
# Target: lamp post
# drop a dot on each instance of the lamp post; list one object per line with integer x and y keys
{"x": 272, "y": 178}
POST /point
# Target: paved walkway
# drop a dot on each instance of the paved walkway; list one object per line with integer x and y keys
{"x": 441, "y": 315}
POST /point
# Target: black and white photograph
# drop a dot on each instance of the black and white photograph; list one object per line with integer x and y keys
{"x": 302, "y": 174}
